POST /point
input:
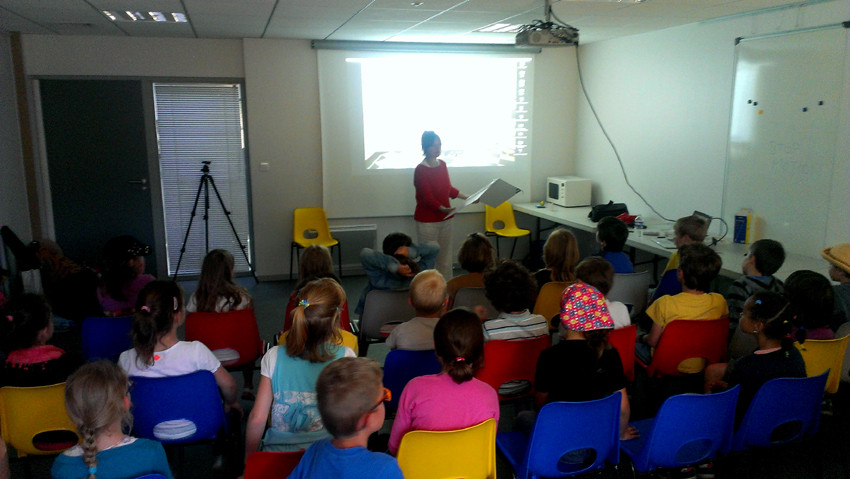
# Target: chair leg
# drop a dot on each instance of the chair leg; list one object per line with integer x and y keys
{"x": 513, "y": 247}
{"x": 339, "y": 257}
{"x": 498, "y": 254}
{"x": 291, "y": 260}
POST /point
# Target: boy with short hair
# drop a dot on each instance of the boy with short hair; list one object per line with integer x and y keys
{"x": 351, "y": 401}
{"x": 612, "y": 233}
{"x": 686, "y": 230}
{"x": 511, "y": 290}
{"x": 428, "y": 298}
{"x": 764, "y": 258}
{"x": 398, "y": 261}
{"x": 698, "y": 267}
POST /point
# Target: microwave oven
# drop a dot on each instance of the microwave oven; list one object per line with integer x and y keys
{"x": 568, "y": 191}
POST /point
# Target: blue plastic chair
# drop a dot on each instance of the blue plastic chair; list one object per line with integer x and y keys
{"x": 569, "y": 438}
{"x": 689, "y": 429}
{"x": 400, "y": 366}
{"x": 783, "y": 410}
{"x": 106, "y": 338}
{"x": 194, "y": 397}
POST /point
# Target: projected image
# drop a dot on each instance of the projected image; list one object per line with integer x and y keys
{"x": 478, "y": 106}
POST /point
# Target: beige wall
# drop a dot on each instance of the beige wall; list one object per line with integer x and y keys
{"x": 284, "y": 133}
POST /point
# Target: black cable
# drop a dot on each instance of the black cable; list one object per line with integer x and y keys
{"x": 714, "y": 241}
{"x": 607, "y": 137}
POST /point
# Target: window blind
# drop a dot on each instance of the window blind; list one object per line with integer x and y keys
{"x": 196, "y": 123}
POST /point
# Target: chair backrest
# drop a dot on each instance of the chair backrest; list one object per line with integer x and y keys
{"x": 623, "y": 340}
{"x": 689, "y": 429}
{"x": 310, "y": 226}
{"x": 152, "y": 476}
{"x": 506, "y": 361}
{"x": 400, "y": 366}
{"x": 384, "y": 306}
{"x": 631, "y": 289}
{"x": 235, "y": 330}
{"x": 548, "y": 303}
{"x": 106, "y": 338}
{"x": 469, "y": 452}
{"x": 684, "y": 339}
{"x": 193, "y": 397}
{"x": 821, "y": 356}
{"x": 844, "y": 330}
{"x": 263, "y": 464}
{"x": 783, "y": 409}
{"x": 564, "y": 427}
{"x": 472, "y": 297}
{"x": 498, "y": 218}
{"x": 26, "y": 414}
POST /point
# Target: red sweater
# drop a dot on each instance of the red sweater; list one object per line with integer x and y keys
{"x": 433, "y": 189}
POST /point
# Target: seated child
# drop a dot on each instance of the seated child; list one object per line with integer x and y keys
{"x": 599, "y": 273}
{"x": 764, "y": 258}
{"x": 124, "y": 275}
{"x": 288, "y": 374}
{"x": 398, "y": 261}
{"x": 350, "y": 398}
{"x": 768, "y": 317}
{"x": 583, "y": 367}
{"x": 217, "y": 292}
{"x": 25, "y": 328}
{"x": 428, "y": 298}
{"x": 98, "y": 403}
{"x": 612, "y": 233}
{"x": 686, "y": 230}
{"x": 511, "y": 289}
{"x": 315, "y": 263}
{"x": 454, "y": 398}
{"x": 839, "y": 270}
{"x": 560, "y": 254}
{"x": 475, "y": 257}
{"x": 156, "y": 350}
{"x": 812, "y": 301}
{"x": 5, "y": 471}
{"x": 698, "y": 267}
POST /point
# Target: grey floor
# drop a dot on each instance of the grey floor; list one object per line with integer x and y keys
{"x": 827, "y": 455}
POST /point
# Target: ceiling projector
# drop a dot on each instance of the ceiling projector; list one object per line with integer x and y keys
{"x": 547, "y": 35}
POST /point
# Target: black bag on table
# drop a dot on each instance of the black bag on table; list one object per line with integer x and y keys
{"x": 610, "y": 209}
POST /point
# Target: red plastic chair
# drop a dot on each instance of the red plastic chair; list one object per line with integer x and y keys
{"x": 506, "y": 361}
{"x": 684, "y": 339}
{"x": 623, "y": 340}
{"x": 235, "y": 330}
{"x": 263, "y": 464}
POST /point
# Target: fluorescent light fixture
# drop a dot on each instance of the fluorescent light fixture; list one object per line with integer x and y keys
{"x": 500, "y": 28}
{"x": 135, "y": 16}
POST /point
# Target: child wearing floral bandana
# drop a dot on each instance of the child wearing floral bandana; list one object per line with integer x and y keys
{"x": 583, "y": 367}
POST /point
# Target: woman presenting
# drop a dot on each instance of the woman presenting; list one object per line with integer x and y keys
{"x": 433, "y": 210}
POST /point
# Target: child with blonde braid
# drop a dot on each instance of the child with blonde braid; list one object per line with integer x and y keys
{"x": 98, "y": 402}
{"x": 288, "y": 374}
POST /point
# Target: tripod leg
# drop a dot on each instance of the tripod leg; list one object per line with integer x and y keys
{"x": 189, "y": 228}
{"x": 233, "y": 228}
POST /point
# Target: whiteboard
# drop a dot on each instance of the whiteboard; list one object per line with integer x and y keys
{"x": 783, "y": 132}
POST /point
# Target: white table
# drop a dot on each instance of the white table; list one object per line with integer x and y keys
{"x": 731, "y": 253}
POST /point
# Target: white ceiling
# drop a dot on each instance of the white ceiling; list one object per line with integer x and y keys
{"x": 378, "y": 20}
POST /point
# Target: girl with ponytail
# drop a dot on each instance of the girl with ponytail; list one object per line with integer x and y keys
{"x": 452, "y": 399}
{"x": 156, "y": 350}
{"x": 98, "y": 402}
{"x": 288, "y": 373}
{"x": 770, "y": 318}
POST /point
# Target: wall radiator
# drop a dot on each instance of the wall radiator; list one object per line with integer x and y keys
{"x": 352, "y": 239}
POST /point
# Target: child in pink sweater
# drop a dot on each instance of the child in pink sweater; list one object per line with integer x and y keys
{"x": 453, "y": 399}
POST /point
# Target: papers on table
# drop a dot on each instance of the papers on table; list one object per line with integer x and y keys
{"x": 494, "y": 194}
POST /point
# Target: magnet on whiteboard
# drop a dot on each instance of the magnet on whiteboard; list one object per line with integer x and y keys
{"x": 761, "y": 111}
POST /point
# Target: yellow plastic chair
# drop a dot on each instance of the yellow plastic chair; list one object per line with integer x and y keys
{"x": 27, "y": 413}
{"x": 500, "y": 222}
{"x": 310, "y": 227}
{"x": 468, "y": 453}
{"x": 548, "y": 302}
{"x": 822, "y": 355}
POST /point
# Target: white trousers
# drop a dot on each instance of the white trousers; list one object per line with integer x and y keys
{"x": 441, "y": 233}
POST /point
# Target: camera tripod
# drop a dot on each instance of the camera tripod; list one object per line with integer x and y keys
{"x": 206, "y": 181}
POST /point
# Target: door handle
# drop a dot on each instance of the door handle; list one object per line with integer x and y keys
{"x": 143, "y": 182}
